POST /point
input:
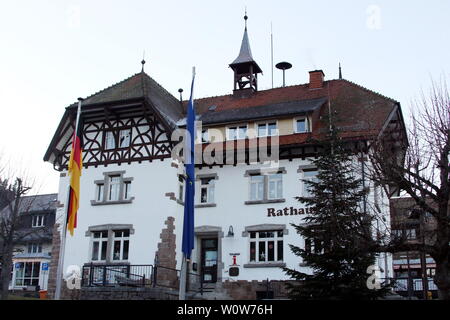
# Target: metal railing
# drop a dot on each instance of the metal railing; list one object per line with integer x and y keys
{"x": 117, "y": 275}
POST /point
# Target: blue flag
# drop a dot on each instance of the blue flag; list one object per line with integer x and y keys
{"x": 188, "y": 223}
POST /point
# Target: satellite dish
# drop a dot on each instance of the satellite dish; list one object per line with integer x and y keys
{"x": 283, "y": 66}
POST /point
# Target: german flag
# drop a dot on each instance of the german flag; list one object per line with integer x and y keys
{"x": 75, "y": 165}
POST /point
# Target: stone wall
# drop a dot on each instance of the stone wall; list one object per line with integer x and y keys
{"x": 56, "y": 244}
{"x": 247, "y": 290}
{"x": 166, "y": 256}
{"x": 128, "y": 294}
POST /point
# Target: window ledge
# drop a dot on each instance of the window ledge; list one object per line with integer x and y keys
{"x": 206, "y": 205}
{"x": 265, "y": 265}
{"x": 265, "y": 201}
{"x": 102, "y": 203}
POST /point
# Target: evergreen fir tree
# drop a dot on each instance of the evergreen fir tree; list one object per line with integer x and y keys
{"x": 338, "y": 231}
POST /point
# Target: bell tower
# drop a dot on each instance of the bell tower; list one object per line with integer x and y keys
{"x": 245, "y": 68}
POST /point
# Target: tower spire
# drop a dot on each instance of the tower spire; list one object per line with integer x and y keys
{"x": 340, "y": 72}
{"x": 244, "y": 66}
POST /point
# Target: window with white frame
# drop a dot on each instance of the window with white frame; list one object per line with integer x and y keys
{"x": 275, "y": 186}
{"x": 99, "y": 245}
{"x": 267, "y": 129}
{"x": 265, "y": 187}
{"x": 121, "y": 245}
{"x": 237, "y": 132}
{"x": 110, "y": 140}
{"x": 37, "y": 221}
{"x": 207, "y": 190}
{"x": 308, "y": 175}
{"x": 256, "y": 187}
{"x": 124, "y": 138}
{"x": 114, "y": 188}
{"x": 411, "y": 234}
{"x": 266, "y": 246}
{"x": 99, "y": 192}
{"x": 27, "y": 273}
{"x": 127, "y": 190}
{"x": 34, "y": 248}
{"x": 123, "y": 135}
{"x": 301, "y": 125}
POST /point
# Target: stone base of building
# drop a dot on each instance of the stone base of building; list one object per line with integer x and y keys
{"x": 252, "y": 290}
{"x": 128, "y": 294}
{"x": 228, "y": 290}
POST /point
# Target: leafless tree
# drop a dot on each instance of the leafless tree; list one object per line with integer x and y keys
{"x": 15, "y": 204}
{"x": 422, "y": 172}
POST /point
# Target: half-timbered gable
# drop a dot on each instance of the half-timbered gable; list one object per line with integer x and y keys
{"x": 127, "y": 122}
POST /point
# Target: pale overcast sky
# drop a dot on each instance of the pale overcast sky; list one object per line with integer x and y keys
{"x": 52, "y": 52}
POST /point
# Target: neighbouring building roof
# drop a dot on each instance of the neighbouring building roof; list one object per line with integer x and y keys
{"x": 36, "y": 203}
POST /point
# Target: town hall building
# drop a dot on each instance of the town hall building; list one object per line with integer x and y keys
{"x": 132, "y": 188}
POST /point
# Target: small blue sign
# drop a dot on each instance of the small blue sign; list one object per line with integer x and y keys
{"x": 45, "y": 266}
{"x": 18, "y": 265}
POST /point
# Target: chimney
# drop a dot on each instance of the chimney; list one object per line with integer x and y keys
{"x": 316, "y": 79}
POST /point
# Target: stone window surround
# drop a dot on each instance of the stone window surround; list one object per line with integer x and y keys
{"x": 203, "y": 176}
{"x": 105, "y": 183}
{"x": 110, "y": 228}
{"x": 202, "y": 232}
{"x": 265, "y": 173}
{"x": 265, "y": 227}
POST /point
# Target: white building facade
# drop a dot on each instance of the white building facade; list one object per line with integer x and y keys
{"x": 131, "y": 186}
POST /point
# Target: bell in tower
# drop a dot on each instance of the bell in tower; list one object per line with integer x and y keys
{"x": 245, "y": 68}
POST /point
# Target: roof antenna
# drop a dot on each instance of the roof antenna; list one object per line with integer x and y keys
{"x": 340, "y": 72}
{"x": 271, "y": 50}
{"x": 143, "y": 61}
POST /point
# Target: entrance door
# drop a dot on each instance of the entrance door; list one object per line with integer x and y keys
{"x": 209, "y": 260}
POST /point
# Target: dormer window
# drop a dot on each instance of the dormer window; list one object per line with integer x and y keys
{"x": 267, "y": 129}
{"x": 302, "y": 125}
{"x": 37, "y": 221}
{"x": 237, "y": 132}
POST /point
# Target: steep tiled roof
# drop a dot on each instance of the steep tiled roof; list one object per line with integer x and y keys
{"x": 139, "y": 85}
{"x": 356, "y": 110}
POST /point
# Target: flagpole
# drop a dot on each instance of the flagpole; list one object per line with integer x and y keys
{"x": 188, "y": 201}
{"x": 62, "y": 249}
